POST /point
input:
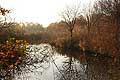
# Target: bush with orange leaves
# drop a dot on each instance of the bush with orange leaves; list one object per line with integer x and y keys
{"x": 12, "y": 53}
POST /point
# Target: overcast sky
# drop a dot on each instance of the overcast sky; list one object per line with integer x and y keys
{"x": 41, "y": 11}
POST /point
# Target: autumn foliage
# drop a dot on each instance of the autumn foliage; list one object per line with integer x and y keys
{"x": 12, "y": 53}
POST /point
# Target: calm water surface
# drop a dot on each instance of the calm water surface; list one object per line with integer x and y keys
{"x": 53, "y": 69}
{"x": 54, "y": 66}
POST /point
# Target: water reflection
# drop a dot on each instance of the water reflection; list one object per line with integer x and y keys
{"x": 102, "y": 68}
{"x": 43, "y": 59}
{"x": 37, "y": 61}
{"x": 71, "y": 70}
{"x": 44, "y": 63}
{"x": 80, "y": 66}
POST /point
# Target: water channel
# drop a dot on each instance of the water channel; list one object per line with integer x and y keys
{"x": 45, "y": 63}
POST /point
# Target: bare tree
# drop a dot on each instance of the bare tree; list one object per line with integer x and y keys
{"x": 69, "y": 16}
{"x": 92, "y": 17}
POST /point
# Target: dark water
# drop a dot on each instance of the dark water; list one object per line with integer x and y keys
{"x": 52, "y": 65}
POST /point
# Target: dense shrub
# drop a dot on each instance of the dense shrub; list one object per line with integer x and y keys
{"x": 12, "y": 53}
{"x": 67, "y": 45}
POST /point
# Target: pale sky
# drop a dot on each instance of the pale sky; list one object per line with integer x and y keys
{"x": 39, "y": 11}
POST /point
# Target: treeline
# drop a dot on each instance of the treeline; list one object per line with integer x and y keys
{"x": 31, "y": 32}
{"x": 97, "y": 29}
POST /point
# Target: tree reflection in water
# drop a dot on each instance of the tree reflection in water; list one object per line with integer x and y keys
{"x": 103, "y": 68}
{"x": 36, "y": 62}
{"x": 74, "y": 67}
{"x": 71, "y": 69}
{"x": 94, "y": 68}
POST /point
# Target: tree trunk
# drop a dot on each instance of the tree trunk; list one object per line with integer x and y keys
{"x": 117, "y": 38}
{"x": 71, "y": 36}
